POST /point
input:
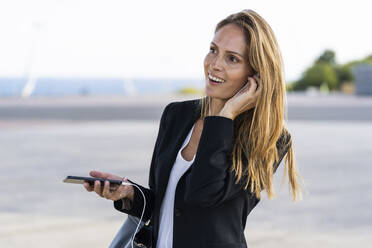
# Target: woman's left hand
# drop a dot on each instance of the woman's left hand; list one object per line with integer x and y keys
{"x": 110, "y": 192}
{"x": 243, "y": 100}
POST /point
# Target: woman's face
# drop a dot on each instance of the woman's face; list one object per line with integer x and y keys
{"x": 226, "y": 63}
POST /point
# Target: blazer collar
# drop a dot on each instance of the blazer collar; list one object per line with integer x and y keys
{"x": 185, "y": 117}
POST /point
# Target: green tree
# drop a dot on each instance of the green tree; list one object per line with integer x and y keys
{"x": 327, "y": 73}
{"x": 344, "y": 73}
{"x": 328, "y": 56}
{"x": 318, "y": 74}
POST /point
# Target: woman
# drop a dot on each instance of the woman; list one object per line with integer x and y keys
{"x": 213, "y": 156}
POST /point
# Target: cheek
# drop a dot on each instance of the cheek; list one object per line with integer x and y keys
{"x": 206, "y": 61}
{"x": 240, "y": 84}
{"x": 237, "y": 86}
{"x": 238, "y": 77}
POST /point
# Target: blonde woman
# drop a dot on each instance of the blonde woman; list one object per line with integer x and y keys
{"x": 214, "y": 156}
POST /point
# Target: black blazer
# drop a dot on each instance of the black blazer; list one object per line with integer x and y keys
{"x": 210, "y": 210}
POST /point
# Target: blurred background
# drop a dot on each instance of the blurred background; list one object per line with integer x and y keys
{"x": 83, "y": 85}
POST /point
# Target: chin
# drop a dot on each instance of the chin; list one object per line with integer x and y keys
{"x": 211, "y": 93}
{"x": 216, "y": 93}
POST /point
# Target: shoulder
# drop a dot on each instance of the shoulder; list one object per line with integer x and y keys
{"x": 178, "y": 110}
{"x": 177, "y": 105}
{"x": 182, "y": 107}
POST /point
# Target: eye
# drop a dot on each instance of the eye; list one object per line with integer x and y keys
{"x": 212, "y": 49}
{"x": 233, "y": 59}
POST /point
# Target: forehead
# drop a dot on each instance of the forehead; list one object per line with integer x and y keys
{"x": 230, "y": 37}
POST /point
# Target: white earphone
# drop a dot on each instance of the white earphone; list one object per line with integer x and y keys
{"x": 143, "y": 211}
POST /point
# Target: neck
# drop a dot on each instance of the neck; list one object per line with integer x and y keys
{"x": 216, "y": 106}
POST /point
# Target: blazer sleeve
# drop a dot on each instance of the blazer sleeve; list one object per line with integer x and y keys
{"x": 135, "y": 208}
{"x": 210, "y": 182}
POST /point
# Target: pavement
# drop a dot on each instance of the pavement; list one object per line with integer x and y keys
{"x": 336, "y": 107}
{"x": 38, "y": 210}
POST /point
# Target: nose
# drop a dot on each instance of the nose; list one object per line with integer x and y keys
{"x": 216, "y": 64}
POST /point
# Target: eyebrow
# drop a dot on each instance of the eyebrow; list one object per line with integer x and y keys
{"x": 229, "y": 51}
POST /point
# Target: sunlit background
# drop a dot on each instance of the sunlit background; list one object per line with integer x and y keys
{"x": 124, "y": 42}
{"x": 83, "y": 85}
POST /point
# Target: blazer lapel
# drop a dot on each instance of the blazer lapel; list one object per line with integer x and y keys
{"x": 185, "y": 119}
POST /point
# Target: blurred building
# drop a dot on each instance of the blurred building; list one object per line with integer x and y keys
{"x": 363, "y": 79}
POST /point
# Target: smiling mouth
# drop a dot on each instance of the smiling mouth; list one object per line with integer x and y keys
{"x": 216, "y": 79}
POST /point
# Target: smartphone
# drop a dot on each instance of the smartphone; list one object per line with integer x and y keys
{"x": 81, "y": 180}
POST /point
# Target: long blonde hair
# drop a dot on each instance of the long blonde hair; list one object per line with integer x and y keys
{"x": 258, "y": 130}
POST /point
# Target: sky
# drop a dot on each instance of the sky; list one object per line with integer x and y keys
{"x": 166, "y": 39}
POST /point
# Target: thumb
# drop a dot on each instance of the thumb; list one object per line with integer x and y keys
{"x": 98, "y": 174}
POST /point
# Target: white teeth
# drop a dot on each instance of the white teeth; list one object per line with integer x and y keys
{"x": 216, "y": 79}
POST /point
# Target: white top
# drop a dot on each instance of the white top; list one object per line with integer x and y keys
{"x": 165, "y": 237}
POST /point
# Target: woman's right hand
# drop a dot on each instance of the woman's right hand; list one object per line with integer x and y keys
{"x": 243, "y": 100}
{"x": 111, "y": 193}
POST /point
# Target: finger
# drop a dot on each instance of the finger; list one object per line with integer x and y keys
{"x": 99, "y": 174}
{"x": 88, "y": 187}
{"x": 104, "y": 175}
{"x": 97, "y": 188}
{"x": 258, "y": 90}
{"x": 245, "y": 87}
{"x": 253, "y": 86}
{"x": 96, "y": 173}
{"x": 106, "y": 190}
{"x": 255, "y": 96}
{"x": 257, "y": 79}
{"x": 114, "y": 187}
